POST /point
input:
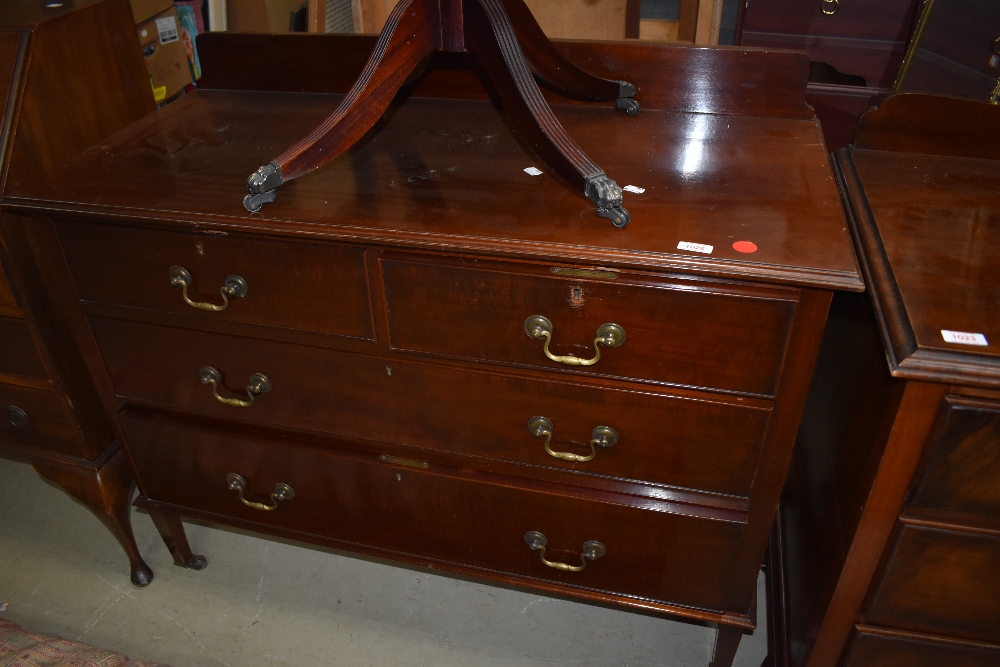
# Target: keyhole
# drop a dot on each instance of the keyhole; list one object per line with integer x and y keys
{"x": 576, "y": 297}
{"x": 199, "y": 248}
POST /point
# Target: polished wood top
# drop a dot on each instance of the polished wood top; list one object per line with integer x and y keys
{"x": 928, "y": 228}
{"x": 448, "y": 174}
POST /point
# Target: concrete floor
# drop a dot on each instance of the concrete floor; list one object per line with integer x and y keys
{"x": 266, "y": 602}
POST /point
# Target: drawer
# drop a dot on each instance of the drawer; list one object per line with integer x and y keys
{"x": 684, "y": 441}
{"x": 871, "y": 647}
{"x": 962, "y": 468}
{"x": 941, "y": 582}
{"x": 884, "y": 20}
{"x": 37, "y": 419}
{"x": 19, "y": 358}
{"x": 677, "y": 332}
{"x": 304, "y": 286}
{"x": 461, "y": 517}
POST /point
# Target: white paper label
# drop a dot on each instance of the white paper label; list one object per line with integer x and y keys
{"x": 167, "y": 27}
{"x": 632, "y": 188}
{"x": 963, "y": 337}
{"x": 695, "y": 247}
{"x": 531, "y": 171}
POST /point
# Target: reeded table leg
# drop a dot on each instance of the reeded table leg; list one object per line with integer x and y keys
{"x": 172, "y": 531}
{"x": 106, "y": 492}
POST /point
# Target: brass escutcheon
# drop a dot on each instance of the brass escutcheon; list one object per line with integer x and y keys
{"x": 259, "y": 384}
{"x": 592, "y": 550}
{"x": 234, "y": 286}
{"x": 609, "y": 335}
{"x": 601, "y": 436}
{"x": 282, "y": 491}
{"x": 829, "y": 7}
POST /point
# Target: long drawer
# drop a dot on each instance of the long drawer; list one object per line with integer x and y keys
{"x": 699, "y": 443}
{"x": 678, "y": 332}
{"x": 304, "y": 286}
{"x": 456, "y": 516}
{"x": 941, "y": 582}
{"x": 874, "y": 647}
{"x": 37, "y": 419}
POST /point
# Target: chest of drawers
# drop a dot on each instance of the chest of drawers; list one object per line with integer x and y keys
{"x": 891, "y": 516}
{"x": 426, "y": 354}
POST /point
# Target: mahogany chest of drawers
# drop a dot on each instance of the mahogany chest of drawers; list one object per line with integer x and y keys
{"x": 891, "y": 517}
{"x": 424, "y": 353}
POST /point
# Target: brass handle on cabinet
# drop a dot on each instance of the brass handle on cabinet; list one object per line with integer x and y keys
{"x": 601, "y": 436}
{"x": 17, "y": 417}
{"x": 259, "y": 384}
{"x": 281, "y": 492}
{"x": 592, "y": 550}
{"x": 829, "y": 7}
{"x": 234, "y": 286}
{"x": 609, "y": 335}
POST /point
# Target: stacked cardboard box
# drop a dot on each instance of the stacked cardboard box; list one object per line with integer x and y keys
{"x": 160, "y": 38}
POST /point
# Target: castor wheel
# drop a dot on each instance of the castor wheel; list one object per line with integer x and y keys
{"x": 196, "y": 562}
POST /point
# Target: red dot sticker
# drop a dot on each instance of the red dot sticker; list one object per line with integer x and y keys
{"x": 745, "y": 246}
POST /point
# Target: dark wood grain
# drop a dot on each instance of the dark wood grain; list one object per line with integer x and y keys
{"x": 677, "y": 332}
{"x": 877, "y": 647}
{"x": 50, "y": 425}
{"x": 20, "y": 361}
{"x": 697, "y": 442}
{"x": 9, "y": 306}
{"x": 435, "y": 513}
{"x": 941, "y": 582}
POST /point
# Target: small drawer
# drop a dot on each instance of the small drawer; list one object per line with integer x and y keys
{"x": 683, "y": 441}
{"x": 303, "y": 286}
{"x": 676, "y": 332}
{"x": 962, "y": 467}
{"x": 37, "y": 419}
{"x": 941, "y": 582}
{"x": 883, "y": 20}
{"x": 477, "y": 520}
{"x": 20, "y": 361}
{"x": 874, "y": 647}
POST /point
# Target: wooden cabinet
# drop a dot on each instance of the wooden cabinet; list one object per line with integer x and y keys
{"x": 380, "y": 379}
{"x": 891, "y": 519}
{"x": 69, "y": 76}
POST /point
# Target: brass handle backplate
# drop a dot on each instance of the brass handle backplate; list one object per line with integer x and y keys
{"x": 281, "y": 491}
{"x": 17, "y": 417}
{"x": 234, "y": 286}
{"x": 592, "y": 550}
{"x": 259, "y": 384}
{"x": 829, "y": 7}
{"x": 609, "y": 335}
{"x": 601, "y": 436}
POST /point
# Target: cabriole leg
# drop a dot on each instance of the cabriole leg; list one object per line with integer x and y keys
{"x": 172, "y": 531}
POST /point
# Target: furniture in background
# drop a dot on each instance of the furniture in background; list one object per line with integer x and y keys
{"x": 71, "y": 76}
{"x": 856, "y": 49}
{"x": 423, "y": 353}
{"x": 19, "y": 646}
{"x": 890, "y": 522}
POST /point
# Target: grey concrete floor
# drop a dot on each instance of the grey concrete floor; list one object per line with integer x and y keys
{"x": 266, "y": 602}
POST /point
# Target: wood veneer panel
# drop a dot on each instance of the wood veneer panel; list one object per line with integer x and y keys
{"x": 876, "y": 647}
{"x": 18, "y": 352}
{"x": 50, "y": 427}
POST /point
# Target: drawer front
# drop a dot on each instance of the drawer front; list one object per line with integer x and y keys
{"x": 679, "y": 333}
{"x": 37, "y": 419}
{"x": 19, "y": 358}
{"x": 468, "y": 519}
{"x": 872, "y": 649}
{"x": 709, "y": 445}
{"x": 962, "y": 469}
{"x": 886, "y": 20}
{"x": 941, "y": 582}
{"x": 303, "y": 286}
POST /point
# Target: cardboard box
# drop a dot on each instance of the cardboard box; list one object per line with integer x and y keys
{"x": 143, "y": 10}
{"x": 164, "y": 52}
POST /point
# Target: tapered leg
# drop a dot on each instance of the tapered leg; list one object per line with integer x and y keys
{"x": 411, "y": 33}
{"x": 172, "y": 531}
{"x": 107, "y": 492}
{"x": 726, "y": 643}
{"x": 555, "y": 69}
{"x": 490, "y": 37}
